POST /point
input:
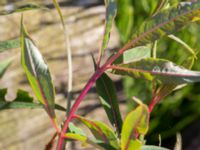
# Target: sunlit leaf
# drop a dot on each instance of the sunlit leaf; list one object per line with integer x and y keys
{"x": 101, "y": 132}
{"x": 136, "y": 53}
{"x": 74, "y": 129}
{"x": 165, "y": 22}
{"x": 136, "y": 123}
{"x": 150, "y": 147}
{"x": 9, "y": 9}
{"x": 108, "y": 97}
{"x": 77, "y": 137}
{"x": 22, "y": 100}
{"x": 4, "y": 66}
{"x": 85, "y": 140}
{"x": 37, "y": 72}
{"x": 158, "y": 69}
{"x": 9, "y": 44}
{"x": 111, "y": 11}
{"x": 165, "y": 89}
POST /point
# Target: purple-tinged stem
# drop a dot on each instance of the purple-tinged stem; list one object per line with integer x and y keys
{"x": 87, "y": 87}
{"x": 153, "y": 102}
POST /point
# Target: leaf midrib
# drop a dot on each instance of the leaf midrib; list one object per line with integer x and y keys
{"x": 134, "y": 129}
{"x": 146, "y": 33}
{"x": 155, "y": 72}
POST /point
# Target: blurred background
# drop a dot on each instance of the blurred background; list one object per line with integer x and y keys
{"x": 31, "y": 129}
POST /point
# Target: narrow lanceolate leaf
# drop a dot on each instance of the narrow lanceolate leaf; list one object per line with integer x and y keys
{"x": 165, "y": 89}
{"x": 101, "y": 132}
{"x": 111, "y": 11}
{"x": 9, "y": 9}
{"x": 135, "y": 124}
{"x": 107, "y": 95}
{"x": 165, "y": 23}
{"x": 22, "y": 100}
{"x": 161, "y": 70}
{"x": 136, "y": 53}
{"x": 151, "y": 147}
{"x": 9, "y": 44}
{"x": 4, "y": 66}
{"x": 37, "y": 72}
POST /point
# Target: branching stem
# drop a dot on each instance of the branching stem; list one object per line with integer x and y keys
{"x": 85, "y": 90}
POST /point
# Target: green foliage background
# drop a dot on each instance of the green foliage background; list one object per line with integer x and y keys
{"x": 181, "y": 108}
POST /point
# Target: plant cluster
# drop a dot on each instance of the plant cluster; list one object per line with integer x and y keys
{"x": 136, "y": 59}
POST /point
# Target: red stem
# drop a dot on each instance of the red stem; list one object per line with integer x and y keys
{"x": 92, "y": 80}
{"x": 87, "y": 87}
{"x": 153, "y": 102}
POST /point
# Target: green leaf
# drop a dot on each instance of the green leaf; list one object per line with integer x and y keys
{"x": 37, "y": 72}
{"x": 84, "y": 140}
{"x": 107, "y": 94}
{"x": 136, "y": 123}
{"x": 164, "y": 90}
{"x": 161, "y": 70}
{"x": 22, "y": 100}
{"x": 185, "y": 45}
{"x": 162, "y": 4}
{"x": 136, "y": 53}
{"x": 149, "y": 147}
{"x": 22, "y": 8}
{"x": 76, "y": 137}
{"x": 74, "y": 129}
{"x": 4, "y": 66}
{"x": 125, "y": 24}
{"x": 165, "y": 22}
{"x": 111, "y": 11}
{"x": 9, "y": 44}
{"x": 101, "y": 132}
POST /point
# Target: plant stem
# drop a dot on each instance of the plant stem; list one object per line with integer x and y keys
{"x": 153, "y": 102}
{"x": 50, "y": 144}
{"x": 92, "y": 80}
{"x": 87, "y": 87}
{"x": 53, "y": 120}
{"x": 70, "y": 73}
{"x": 95, "y": 76}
